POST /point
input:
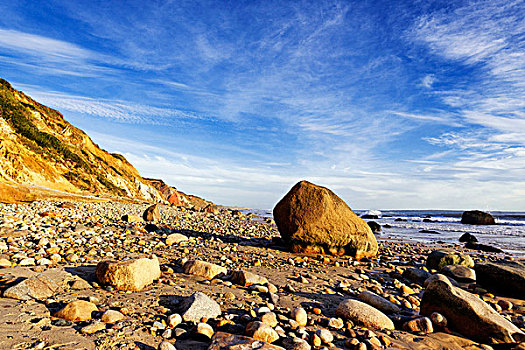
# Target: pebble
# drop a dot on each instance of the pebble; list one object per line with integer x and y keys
{"x": 300, "y": 316}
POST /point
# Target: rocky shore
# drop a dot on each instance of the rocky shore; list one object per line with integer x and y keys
{"x": 74, "y": 275}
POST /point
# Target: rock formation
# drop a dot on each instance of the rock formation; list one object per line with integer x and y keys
{"x": 313, "y": 219}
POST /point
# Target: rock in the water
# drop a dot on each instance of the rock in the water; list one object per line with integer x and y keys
{"x": 312, "y": 219}
{"x": 204, "y": 269}
{"x": 175, "y": 238}
{"x": 132, "y": 275}
{"x": 483, "y": 247}
{"x": 467, "y": 237}
{"x": 227, "y": 341}
{"x": 197, "y": 306}
{"x": 245, "y": 278}
{"x": 364, "y": 314}
{"x": 476, "y": 217}
{"x": 378, "y": 302}
{"x": 78, "y": 310}
{"x": 152, "y": 213}
{"x": 506, "y": 277}
{"x": 374, "y": 226}
{"x": 467, "y": 314}
{"x": 459, "y": 273}
{"x": 441, "y": 258}
{"x": 261, "y": 331}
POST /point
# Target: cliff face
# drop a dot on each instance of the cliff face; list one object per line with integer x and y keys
{"x": 39, "y": 147}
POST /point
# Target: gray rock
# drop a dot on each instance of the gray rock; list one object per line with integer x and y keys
{"x": 416, "y": 275}
{"x": 459, "y": 273}
{"x": 245, "y": 278}
{"x": 364, "y": 314}
{"x": 468, "y": 315}
{"x": 440, "y": 277}
{"x": 197, "y": 306}
{"x": 506, "y": 277}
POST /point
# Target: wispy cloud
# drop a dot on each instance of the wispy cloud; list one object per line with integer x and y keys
{"x": 122, "y": 111}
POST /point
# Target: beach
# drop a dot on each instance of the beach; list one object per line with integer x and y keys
{"x": 66, "y": 240}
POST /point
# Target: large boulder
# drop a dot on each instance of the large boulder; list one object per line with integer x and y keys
{"x": 476, "y": 217}
{"x": 313, "y": 219}
{"x": 506, "y": 277}
{"x": 132, "y": 275}
{"x": 438, "y": 259}
{"x": 467, "y": 314}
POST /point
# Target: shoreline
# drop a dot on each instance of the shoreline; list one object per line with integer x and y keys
{"x": 83, "y": 234}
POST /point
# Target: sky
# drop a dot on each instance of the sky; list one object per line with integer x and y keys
{"x": 391, "y": 104}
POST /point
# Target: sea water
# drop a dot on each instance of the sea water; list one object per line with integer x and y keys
{"x": 508, "y": 233}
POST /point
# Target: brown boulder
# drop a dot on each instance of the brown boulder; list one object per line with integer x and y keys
{"x": 476, "y": 217}
{"x": 313, "y": 219}
{"x": 467, "y": 314}
{"x": 131, "y": 275}
{"x": 152, "y": 213}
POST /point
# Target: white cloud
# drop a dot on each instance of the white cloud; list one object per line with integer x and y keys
{"x": 122, "y": 111}
{"x": 428, "y": 80}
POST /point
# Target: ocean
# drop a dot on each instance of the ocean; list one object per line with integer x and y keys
{"x": 508, "y": 234}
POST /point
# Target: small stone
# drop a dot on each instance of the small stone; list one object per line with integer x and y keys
{"x": 197, "y": 306}
{"x": 229, "y": 296}
{"x": 270, "y": 319}
{"x": 438, "y": 320}
{"x": 27, "y": 262}
{"x": 261, "y": 331}
{"x": 204, "y": 329}
{"x": 204, "y": 269}
{"x": 296, "y": 344}
{"x": 315, "y": 340}
{"x": 365, "y": 314}
{"x": 335, "y": 323}
{"x": 505, "y": 305}
{"x": 78, "y": 310}
{"x": 325, "y": 335}
{"x": 5, "y": 263}
{"x": 421, "y": 324}
{"x": 93, "y": 327}
{"x": 111, "y": 316}
{"x": 246, "y": 279}
{"x": 175, "y": 238}
{"x": 165, "y": 345}
{"x": 300, "y": 316}
{"x": 174, "y": 320}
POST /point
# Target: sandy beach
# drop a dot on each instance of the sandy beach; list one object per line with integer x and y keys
{"x": 66, "y": 240}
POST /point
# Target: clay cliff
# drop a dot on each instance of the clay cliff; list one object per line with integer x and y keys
{"x": 39, "y": 148}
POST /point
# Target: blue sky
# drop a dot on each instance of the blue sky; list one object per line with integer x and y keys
{"x": 392, "y": 104}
